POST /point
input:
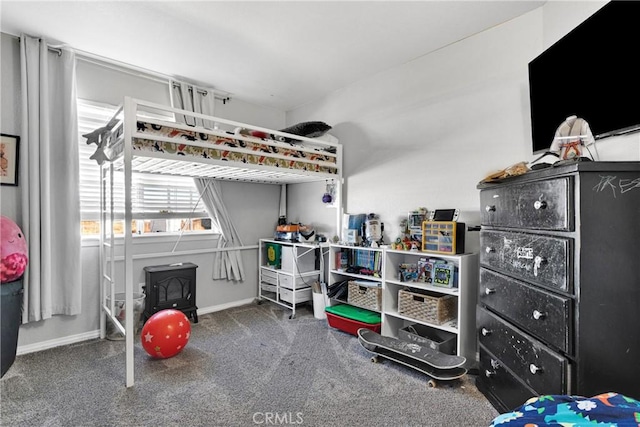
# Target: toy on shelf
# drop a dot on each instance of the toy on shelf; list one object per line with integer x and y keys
{"x": 411, "y": 231}
{"x": 372, "y": 230}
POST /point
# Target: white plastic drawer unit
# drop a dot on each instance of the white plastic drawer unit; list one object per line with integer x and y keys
{"x": 269, "y": 275}
{"x": 541, "y": 205}
{"x": 301, "y": 295}
{"x": 287, "y": 281}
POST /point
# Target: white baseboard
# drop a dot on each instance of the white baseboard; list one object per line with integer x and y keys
{"x": 85, "y": 336}
{"x": 45, "y": 345}
{"x": 221, "y": 307}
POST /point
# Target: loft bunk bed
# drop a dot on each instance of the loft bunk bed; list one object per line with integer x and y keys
{"x": 144, "y": 137}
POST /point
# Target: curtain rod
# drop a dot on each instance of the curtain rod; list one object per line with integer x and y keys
{"x": 124, "y": 68}
{"x": 224, "y": 99}
{"x": 133, "y": 70}
{"x": 51, "y": 48}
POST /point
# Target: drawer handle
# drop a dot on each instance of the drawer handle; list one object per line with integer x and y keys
{"x": 489, "y": 249}
{"x": 489, "y": 291}
{"x": 490, "y": 208}
{"x": 539, "y": 314}
{"x": 489, "y": 374}
{"x": 540, "y": 204}
{"x": 485, "y": 332}
{"x": 534, "y": 369}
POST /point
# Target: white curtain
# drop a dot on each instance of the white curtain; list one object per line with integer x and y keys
{"x": 192, "y": 98}
{"x": 49, "y": 176}
{"x": 226, "y": 264}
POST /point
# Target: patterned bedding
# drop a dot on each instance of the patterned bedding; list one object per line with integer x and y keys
{"x": 607, "y": 409}
{"x": 247, "y": 149}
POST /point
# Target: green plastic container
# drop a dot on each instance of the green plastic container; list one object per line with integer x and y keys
{"x": 354, "y": 313}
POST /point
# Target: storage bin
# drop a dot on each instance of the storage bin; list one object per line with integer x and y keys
{"x": 268, "y": 287}
{"x": 437, "y": 339}
{"x": 301, "y": 295}
{"x": 119, "y": 311}
{"x": 302, "y": 264}
{"x": 286, "y": 281}
{"x": 269, "y": 276}
{"x": 365, "y": 294}
{"x": 355, "y": 313}
{"x": 350, "y": 326}
{"x": 430, "y": 307}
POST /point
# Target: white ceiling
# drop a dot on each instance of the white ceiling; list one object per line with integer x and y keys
{"x": 274, "y": 53}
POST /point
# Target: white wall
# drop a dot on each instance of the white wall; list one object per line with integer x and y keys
{"x": 424, "y": 134}
{"x": 254, "y": 207}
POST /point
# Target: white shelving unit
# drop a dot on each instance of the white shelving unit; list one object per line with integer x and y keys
{"x": 338, "y": 273}
{"x": 464, "y": 290}
{"x": 289, "y": 284}
{"x": 387, "y": 275}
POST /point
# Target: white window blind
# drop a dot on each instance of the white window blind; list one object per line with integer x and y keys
{"x": 153, "y": 196}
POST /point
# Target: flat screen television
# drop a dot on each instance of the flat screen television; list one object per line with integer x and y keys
{"x": 590, "y": 73}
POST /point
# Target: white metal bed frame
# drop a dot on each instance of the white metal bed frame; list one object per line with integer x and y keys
{"x": 129, "y": 161}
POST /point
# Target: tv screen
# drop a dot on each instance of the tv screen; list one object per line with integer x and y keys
{"x": 590, "y": 73}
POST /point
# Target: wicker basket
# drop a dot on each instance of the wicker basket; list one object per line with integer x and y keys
{"x": 369, "y": 297}
{"x": 432, "y": 308}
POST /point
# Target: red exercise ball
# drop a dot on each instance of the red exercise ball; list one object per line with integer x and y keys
{"x": 165, "y": 333}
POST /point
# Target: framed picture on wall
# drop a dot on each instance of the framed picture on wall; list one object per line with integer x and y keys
{"x": 9, "y": 159}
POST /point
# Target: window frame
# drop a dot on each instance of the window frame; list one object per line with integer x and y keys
{"x": 91, "y": 115}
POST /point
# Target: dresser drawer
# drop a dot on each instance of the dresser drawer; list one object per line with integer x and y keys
{"x": 502, "y": 384}
{"x": 543, "y": 314}
{"x": 541, "y": 368}
{"x": 544, "y": 260}
{"x": 543, "y": 205}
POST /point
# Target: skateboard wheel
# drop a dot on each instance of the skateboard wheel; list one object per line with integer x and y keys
{"x": 432, "y": 383}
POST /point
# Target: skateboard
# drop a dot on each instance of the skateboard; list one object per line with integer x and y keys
{"x": 436, "y": 365}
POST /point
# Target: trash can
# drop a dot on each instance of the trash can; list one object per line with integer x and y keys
{"x": 119, "y": 311}
{"x": 318, "y": 301}
{"x": 10, "y": 320}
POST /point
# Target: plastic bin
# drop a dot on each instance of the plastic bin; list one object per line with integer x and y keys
{"x": 349, "y": 319}
{"x": 10, "y": 320}
{"x": 442, "y": 341}
{"x": 119, "y": 311}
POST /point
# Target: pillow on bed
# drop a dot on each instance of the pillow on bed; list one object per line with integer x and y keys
{"x": 308, "y": 129}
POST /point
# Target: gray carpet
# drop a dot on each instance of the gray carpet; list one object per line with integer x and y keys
{"x": 245, "y": 366}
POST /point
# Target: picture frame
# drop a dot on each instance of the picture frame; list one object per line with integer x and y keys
{"x": 9, "y": 153}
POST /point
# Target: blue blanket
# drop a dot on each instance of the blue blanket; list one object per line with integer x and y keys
{"x": 607, "y": 409}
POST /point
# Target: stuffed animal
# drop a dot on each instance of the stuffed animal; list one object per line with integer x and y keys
{"x": 573, "y": 134}
{"x": 13, "y": 251}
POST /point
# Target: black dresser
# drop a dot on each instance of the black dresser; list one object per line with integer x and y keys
{"x": 559, "y": 295}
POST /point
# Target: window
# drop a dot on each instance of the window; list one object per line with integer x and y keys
{"x": 159, "y": 203}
